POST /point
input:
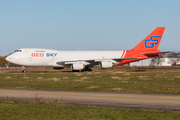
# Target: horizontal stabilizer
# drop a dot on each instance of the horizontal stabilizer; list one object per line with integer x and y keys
{"x": 149, "y": 54}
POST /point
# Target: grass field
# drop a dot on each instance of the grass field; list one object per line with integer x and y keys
{"x": 155, "y": 81}
{"x": 39, "y": 111}
{"x": 117, "y": 79}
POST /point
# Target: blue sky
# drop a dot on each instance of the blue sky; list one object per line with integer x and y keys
{"x": 86, "y": 24}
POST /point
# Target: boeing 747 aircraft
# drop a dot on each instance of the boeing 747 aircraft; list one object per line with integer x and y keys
{"x": 84, "y": 60}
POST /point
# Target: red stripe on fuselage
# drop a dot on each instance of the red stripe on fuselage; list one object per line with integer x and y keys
{"x": 122, "y": 56}
{"x": 123, "y": 53}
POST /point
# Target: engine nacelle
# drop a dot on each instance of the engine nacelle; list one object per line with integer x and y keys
{"x": 58, "y": 68}
{"x": 77, "y": 66}
{"x": 106, "y": 64}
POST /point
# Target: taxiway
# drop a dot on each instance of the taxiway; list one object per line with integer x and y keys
{"x": 169, "y": 102}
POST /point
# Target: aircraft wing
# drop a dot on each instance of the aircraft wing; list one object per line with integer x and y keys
{"x": 87, "y": 62}
{"x": 115, "y": 59}
{"x": 149, "y": 54}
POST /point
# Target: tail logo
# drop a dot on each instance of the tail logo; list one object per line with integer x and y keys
{"x": 150, "y": 43}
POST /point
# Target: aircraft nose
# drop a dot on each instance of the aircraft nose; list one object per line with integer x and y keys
{"x": 7, "y": 58}
{"x": 12, "y": 59}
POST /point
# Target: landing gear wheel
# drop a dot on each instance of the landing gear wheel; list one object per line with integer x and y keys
{"x": 23, "y": 71}
{"x": 86, "y": 69}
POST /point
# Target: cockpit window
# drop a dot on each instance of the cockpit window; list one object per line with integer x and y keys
{"x": 18, "y": 51}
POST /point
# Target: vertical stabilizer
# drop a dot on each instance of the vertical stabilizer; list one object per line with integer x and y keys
{"x": 152, "y": 41}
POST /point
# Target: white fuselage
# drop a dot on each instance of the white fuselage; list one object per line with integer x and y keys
{"x": 47, "y": 57}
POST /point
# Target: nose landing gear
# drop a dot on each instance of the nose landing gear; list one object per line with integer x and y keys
{"x": 23, "y": 69}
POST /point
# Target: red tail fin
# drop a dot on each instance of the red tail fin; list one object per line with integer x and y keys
{"x": 152, "y": 41}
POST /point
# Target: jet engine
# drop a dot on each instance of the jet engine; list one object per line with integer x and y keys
{"x": 106, "y": 64}
{"x": 77, "y": 66}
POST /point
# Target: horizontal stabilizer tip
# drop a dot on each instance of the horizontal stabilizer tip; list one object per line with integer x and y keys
{"x": 156, "y": 53}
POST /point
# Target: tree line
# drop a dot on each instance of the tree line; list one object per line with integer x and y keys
{"x": 3, "y": 61}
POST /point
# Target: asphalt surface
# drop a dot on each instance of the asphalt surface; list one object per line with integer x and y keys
{"x": 167, "y": 102}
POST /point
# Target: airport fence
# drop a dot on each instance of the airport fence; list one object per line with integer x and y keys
{"x": 29, "y": 69}
{"x": 10, "y": 69}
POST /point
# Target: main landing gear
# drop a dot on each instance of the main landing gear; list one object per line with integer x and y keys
{"x": 86, "y": 69}
{"x": 23, "y": 69}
